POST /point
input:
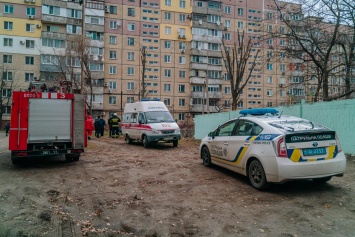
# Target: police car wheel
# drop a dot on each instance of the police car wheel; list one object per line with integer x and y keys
{"x": 257, "y": 175}
{"x": 145, "y": 142}
{"x": 206, "y": 157}
{"x": 322, "y": 180}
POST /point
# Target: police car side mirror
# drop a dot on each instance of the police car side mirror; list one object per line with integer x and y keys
{"x": 211, "y": 134}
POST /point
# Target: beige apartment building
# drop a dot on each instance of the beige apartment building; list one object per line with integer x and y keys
{"x": 182, "y": 45}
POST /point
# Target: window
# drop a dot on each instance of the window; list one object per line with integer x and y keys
{"x": 269, "y": 79}
{"x": 30, "y": 27}
{"x": 8, "y": 42}
{"x": 130, "y": 41}
{"x": 227, "y": 36}
{"x": 9, "y": 9}
{"x": 113, "y": 85}
{"x": 112, "y": 100}
{"x": 182, "y": 17}
{"x": 199, "y": 4}
{"x": 240, "y": 11}
{"x": 182, "y": 59}
{"x": 181, "y": 102}
{"x": 270, "y": 42}
{"x": 282, "y": 42}
{"x": 113, "y": 39}
{"x": 113, "y": 24}
{"x": 130, "y": 71}
{"x": 227, "y": 90}
{"x": 8, "y": 25}
{"x": 72, "y": 13}
{"x": 113, "y": 10}
{"x": 282, "y": 67}
{"x": 269, "y": 15}
{"x": 167, "y": 16}
{"x": 167, "y": 87}
{"x": 168, "y": 3}
{"x": 182, "y": 45}
{"x": 7, "y": 76}
{"x": 240, "y": 24}
{"x": 167, "y": 44}
{"x": 130, "y": 86}
{"x": 269, "y": 54}
{"x": 6, "y": 93}
{"x": 282, "y": 30}
{"x": 227, "y": 23}
{"x": 269, "y": 92}
{"x": 29, "y": 60}
{"x": 167, "y": 73}
{"x": 131, "y": 26}
{"x": 113, "y": 70}
{"x": 113, "y": 54}
{"x": 227, "y": 9}
{"x": 269, "y": 104}
{"x": 130, "y": 99}
{"x": 131, "y": 12}
{"x": 7, "y": 58}
{"x": 29, "y": 76}
{"x": 182, "y": 4}
{"x": 30, "y": 11}
{"x": 130, "y": 56}
{"x": 53, "y": 43}
{"x": 269, "y": 28}
{"x": 167, "y": 101}
{"x": 181, "y": 88}
{"x": 51, "y": 10}
{"x": 167, "y": 30}
{"x": 182, "y": 74}
{"x": 269, "y": 66}
{"x": 167, "y": 58}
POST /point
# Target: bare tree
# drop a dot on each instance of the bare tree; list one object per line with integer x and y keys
{"x": 143, "y": 92}
{"x": 236, "y": 60}
{"x": 314, "y": 37}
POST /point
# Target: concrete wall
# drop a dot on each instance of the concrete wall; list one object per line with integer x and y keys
{"x": 338, "y": 115}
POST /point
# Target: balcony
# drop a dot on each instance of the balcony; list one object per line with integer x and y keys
{"x": 201, "y": 108}
{"x": 206, "y": 38}
{"x": 97, "y": 74}
{"x": 207, "y": 25}
{"x": 53, "y": 35}
{"x": 200, "y": 52}
{"x": 54, "y": 19}
{"x": 49, "y": 68}
{"x": 199, "y": 10}
{"x": 93, "y": 27}
{"x": 200, "y": 94}
{"x": 97, "y": 106}
{"x": 214, "y": 53}
{"x": 74, "y": 21}
{"x": 55, "y": 3}
{"x": 199, "y": 66}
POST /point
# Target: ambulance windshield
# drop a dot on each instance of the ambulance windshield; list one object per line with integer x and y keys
{"x": 159, "y": 117}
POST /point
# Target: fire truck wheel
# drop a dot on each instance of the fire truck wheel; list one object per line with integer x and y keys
{"x": 76, "y": 158}
{"x": 15, "y": 160}
{"x": 72, "y": 157}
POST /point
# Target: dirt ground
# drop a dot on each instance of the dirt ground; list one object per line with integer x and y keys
{"x": 116, "y": 189}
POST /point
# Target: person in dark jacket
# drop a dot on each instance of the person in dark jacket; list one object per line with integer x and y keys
{"x": 97, "y": 125}
{"x": 114, "y": 122}
{"x": 103, "y": 125}
{"x": 7, "y": 128}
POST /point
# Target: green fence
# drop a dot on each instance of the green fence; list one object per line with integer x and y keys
{"x": 338, "y": 115}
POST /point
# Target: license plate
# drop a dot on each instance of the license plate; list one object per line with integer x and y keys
{"x": 314, "y": 151}
{"x": 49, "y": 152}
{"x": 168, "y": 138}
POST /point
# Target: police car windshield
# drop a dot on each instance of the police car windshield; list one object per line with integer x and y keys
{"x": 296, "y": 125}
{"x": 159, "y": 117}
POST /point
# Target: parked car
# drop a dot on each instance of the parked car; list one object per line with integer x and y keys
{"x": 272, "y": 148}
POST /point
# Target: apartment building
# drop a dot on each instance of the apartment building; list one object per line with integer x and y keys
{"x": 181, "y": 41}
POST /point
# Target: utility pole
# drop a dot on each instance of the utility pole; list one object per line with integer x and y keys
{"x": 143, "y": 59}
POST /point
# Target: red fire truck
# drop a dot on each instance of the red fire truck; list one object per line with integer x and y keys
{"x": 47, "y": 122}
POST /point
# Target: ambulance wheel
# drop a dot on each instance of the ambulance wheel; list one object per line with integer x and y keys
{"x": 175, "y": 143}
{"x": 257, "y": 175}
{"x": 128, "y": 140}
{"x": 322, "y": 180}
{"x": 145, "y": 141}
{"x": 206, "y": 157}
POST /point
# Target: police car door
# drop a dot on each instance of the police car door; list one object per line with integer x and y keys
{"x": 220, "y": 142}
{"x": 240, "y": 143}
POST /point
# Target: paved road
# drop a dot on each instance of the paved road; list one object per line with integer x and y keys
{"x": 4, "y": 142}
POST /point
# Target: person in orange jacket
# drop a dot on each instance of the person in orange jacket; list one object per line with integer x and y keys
{"x": 89, "y": 126}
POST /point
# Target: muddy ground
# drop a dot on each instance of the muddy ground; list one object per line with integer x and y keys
{"x": 126, "y": 190}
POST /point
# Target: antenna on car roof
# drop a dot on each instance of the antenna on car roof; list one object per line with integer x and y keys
{"x": 281, "y": 114}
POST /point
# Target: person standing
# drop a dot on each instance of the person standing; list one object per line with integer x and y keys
{"x": 89, "y": 124}
{"x": 110, "y": 127}
{"x": 97, "y": 126}
{"x": 7, "y": 128}
{"x": 103, "y": 125}
{"x": 114, "y": 121}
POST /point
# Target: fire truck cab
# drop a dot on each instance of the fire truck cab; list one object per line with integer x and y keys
{"x": 47, "y": 122}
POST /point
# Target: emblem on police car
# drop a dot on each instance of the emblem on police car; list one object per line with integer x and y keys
{"x": 315, "y": 144}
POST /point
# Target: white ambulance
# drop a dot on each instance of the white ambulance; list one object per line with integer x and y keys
{"x": 149, "y": 122}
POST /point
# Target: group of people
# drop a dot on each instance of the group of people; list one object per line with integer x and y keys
{"x": 99, "y": 126}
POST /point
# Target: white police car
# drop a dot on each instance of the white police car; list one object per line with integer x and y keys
{"x": 271, "y": 148}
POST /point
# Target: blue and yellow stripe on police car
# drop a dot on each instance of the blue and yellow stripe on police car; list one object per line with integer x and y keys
{"x": 240, "y": 153}
{"x": 295, "y": 155}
